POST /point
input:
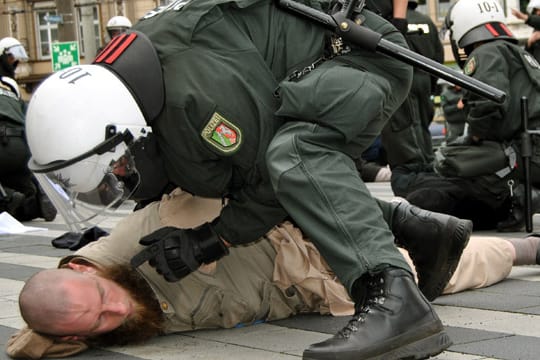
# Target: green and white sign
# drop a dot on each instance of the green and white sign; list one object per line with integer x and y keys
{"x": 64, "y": 55}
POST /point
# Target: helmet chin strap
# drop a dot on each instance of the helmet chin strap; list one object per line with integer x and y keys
{"x": 149, "y": 164}
{"x": 7, "y": 68}
{"x": 133, "y": 58}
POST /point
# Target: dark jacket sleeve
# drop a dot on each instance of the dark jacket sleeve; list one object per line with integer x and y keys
{"x": 534, "y": 21}
{"x": 249, "y": 214}
{"x": 486, "y": 117}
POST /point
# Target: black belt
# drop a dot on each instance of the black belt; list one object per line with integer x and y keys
{"x": 6, "y": 132}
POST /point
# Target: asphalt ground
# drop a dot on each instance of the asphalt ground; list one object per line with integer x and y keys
{"x": 498, "y": 322}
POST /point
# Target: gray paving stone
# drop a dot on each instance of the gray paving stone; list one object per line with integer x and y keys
{"x": 524, "y": 297}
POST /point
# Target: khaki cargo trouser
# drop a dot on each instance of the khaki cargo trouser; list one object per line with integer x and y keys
{"x": 302, "y": 275}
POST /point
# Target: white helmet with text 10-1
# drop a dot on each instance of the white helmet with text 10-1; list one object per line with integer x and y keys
{"x": 474, "y": 21}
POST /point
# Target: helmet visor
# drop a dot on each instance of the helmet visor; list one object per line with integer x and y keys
{"x": 87, "y": 192}
{"x": 18, "y": 52}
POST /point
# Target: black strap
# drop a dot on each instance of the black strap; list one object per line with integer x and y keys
{"x": 11, "y": 132}
{"x": 6, "y": 132}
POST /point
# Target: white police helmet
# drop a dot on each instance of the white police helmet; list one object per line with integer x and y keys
{"x": 12, "y": 46}
{"x": 533, "y": 4}
{"x": 79, "y": 125}
{"x": 472, "y": 21}
{"x": 117, "y": 25}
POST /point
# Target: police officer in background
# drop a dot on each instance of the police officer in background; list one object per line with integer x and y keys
{"x": 406, "y": 138}
{"x": 531, "y": 18}
{"x": 484, "y": 162}
{"x": 244, "y": 101}
{"x": 117, "y": 25}
{"x": 19, "y": 194}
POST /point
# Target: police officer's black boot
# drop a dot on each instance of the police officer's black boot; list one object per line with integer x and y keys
{"x": 46, "y": 207}
{"x": 516, "y": 218}
{"x": 393, "y": 320}
{"x": 10, "y": 201}
{"x": 434, "y": 242}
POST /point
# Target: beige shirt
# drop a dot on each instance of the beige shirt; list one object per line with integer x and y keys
{"x": 240, "y": 289}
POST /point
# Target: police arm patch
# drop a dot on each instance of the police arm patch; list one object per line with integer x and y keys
{"x": 531, "y": 60}
{"x": 470, "y": 66}
{"x": 222, "y": 134}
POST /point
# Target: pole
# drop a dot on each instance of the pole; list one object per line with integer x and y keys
{"x": 526, "y": 153}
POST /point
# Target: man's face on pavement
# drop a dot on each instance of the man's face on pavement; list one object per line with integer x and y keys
{"x": 107, "y": 313}
{"x": 101, "y": 306}
{"x": 97, "y": 305}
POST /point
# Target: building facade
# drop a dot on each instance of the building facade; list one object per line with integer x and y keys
{"x": 38, "y": 24}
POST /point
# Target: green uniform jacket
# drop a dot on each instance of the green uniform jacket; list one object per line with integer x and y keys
{"x": 425, "y": 43}
{"x": 508, "y": 67}
{"x": 534, "y": 21}
{"x": 11, "y": 106}
{"x": 14, "y": 152}
{"x": 222, "y": 62}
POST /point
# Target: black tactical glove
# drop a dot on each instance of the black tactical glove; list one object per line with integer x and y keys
{"x": 175, "y": 253}
{"x": 401, "y": 24}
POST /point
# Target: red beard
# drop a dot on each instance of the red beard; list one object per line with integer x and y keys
{"x": 148, "y": 320}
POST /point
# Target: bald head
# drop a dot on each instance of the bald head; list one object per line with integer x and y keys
{"x": 110, "y": 306}
{"x": 45, "y": 297}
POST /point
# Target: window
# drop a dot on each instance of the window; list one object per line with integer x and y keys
{"x": 46, "y": 33}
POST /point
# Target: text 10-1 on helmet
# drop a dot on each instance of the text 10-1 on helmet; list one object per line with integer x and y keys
{"x": 473, "y": 21}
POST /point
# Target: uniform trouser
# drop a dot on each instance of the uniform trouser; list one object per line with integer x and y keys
{"x": 406, "y": 137}
{"x": 336, "y": 112}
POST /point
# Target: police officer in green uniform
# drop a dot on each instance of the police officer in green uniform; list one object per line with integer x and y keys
{"x": 244, "y": 101}
{"x": 494, "y": 57}
{"x": 485, "y": 158}
{"x": 406, "y": 138}
{"x": 423, "y": 38}
{"x": 14, "y": 153}
{"x": 19, "y": 195}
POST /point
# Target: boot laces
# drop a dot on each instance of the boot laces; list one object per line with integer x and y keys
{"x": 374, "y": 298}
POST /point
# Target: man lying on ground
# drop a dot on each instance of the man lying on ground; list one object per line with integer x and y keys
{"x": 96, "y": 299}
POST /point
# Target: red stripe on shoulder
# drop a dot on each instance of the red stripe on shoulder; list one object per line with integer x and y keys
{"x": 116, "y": 48}
{"x": 110, "y": 46}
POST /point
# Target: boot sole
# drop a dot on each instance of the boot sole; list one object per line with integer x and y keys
{"x": 460, "y": 238}
{"x": 421, "y": 349}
